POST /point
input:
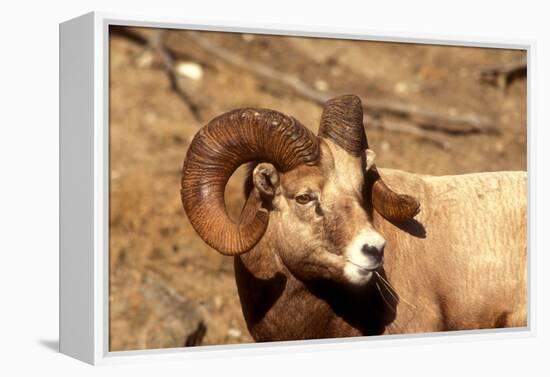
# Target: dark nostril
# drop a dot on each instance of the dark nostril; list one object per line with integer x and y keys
{"x": 373, "y": 251}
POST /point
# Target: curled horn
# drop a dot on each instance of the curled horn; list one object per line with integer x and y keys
{"x": 342, "y": 122}
{"x": 217, "y": 150}
{"x": 393, "y": 206}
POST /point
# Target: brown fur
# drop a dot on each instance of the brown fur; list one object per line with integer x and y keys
{"x": 469, "y": 269}
{"x": 461, "y": 264}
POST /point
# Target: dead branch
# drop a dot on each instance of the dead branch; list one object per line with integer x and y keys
{"x": 450, "y": 123}
{"x": 168, "y": 57}
{"x": 503, "y": 74}
{"x": 418, "y": 117}
{"x": 168, "y": 60}
{"x": 454, "y": 124}
{"x": 408, "y": 129}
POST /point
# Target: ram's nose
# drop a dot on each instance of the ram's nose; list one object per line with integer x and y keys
{"x": 375, "y": 253}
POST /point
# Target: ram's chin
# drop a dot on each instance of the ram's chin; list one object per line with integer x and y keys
{"x": 357, "y": 275}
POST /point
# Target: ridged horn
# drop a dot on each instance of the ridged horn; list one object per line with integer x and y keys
{"x": 342, "y": 122}
{"x": 393, "y": 206}
{"x": 217, "y": 150}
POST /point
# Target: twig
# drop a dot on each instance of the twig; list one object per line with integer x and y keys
{"x": 447, "y": 123}
{"x": 503, "y": 74}
{"x": 168, "y": 61}
{"x": 168, "y": 57}
{"x": 452, "y": 124}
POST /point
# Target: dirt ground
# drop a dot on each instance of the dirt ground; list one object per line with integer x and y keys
{"x": 164, "y": 280}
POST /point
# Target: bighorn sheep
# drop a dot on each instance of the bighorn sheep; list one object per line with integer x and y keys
{"x": 324, "y": 248}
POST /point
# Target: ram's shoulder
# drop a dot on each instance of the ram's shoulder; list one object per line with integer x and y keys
{"x": 460, "y": 185}
{"x": 404, "y": 182}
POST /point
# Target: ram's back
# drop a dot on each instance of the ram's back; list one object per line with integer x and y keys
{"x": 463, "y": 260}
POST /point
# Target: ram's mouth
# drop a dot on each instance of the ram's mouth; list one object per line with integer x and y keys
{"x": 358, "y": 274}
{"x": 367, "y": 268}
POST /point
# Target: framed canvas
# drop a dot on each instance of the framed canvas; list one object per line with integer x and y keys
{"x": 219, "y": 193}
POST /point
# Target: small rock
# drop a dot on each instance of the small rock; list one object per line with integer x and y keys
{"x": 145, "y": 60}
{"x": 191, "y": 70}
{"x": 401, "y": 88}
{"x": 174, "y": 320}
{"x": 218, "y": 302}
{"x": 234, "y": 333}
{"x": 248, "y": 37}
{"x": 385, "y": 146}
{"x": 321, "y": 85}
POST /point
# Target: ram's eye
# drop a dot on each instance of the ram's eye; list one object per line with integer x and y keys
{"x": 304, "y": 198}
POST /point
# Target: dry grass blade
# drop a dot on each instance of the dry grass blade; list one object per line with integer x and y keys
{"x": 384, "y": 297}
{"x": 392, "y": 290}
{"x": 388, "y": 287}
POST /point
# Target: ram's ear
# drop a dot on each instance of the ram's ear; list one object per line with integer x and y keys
{"x": 266, "y": 180}
{"x": 370, "y": 156}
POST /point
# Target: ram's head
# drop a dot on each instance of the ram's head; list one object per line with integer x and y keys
{"x": 310, "y": 198}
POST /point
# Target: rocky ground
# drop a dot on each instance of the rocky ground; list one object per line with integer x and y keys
{"x": 169, "y": 289}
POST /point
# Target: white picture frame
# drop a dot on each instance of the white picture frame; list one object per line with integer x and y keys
{"x": 84, "y": 188}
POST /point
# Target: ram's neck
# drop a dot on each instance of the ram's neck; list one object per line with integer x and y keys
{"x": 277, "y": 306}
{"x": 264, "y": 285}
